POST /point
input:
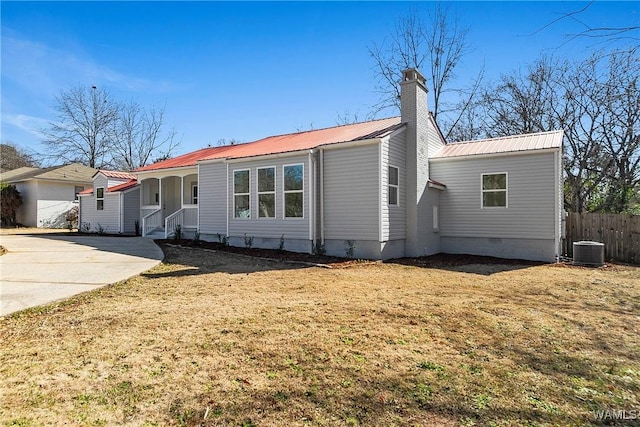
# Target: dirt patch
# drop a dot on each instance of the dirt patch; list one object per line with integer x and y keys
{"x": 432, "y": 261}
{"x": 213, "y": 338}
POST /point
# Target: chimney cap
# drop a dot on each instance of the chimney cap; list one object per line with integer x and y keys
{"x": 412, "y": 74}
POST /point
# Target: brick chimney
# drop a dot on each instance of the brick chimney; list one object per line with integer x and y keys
{"x": 415, "y": 114}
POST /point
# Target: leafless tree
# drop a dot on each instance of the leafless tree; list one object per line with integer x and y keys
{"x": 629, "y": 32}
{"x": 138, "y": 138}
{"x": 436, "y": 46}
{"x": 13, "y": 157}
{"x": 96, "y": 130}
{"x": 596, "y": 102}
{"x": 82, "y": 132}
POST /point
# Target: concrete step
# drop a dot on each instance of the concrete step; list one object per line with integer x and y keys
{"x": 156, "y": 234}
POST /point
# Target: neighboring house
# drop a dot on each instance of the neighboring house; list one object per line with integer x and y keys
{"x": 49, "y": 193}
{"x": 111, "y": 205}
{"x": 381, "y": 189}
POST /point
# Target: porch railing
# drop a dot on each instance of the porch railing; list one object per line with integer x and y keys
{"x": 184, "y": 218}
{"x": 151, "y": 222}
{"x": 172, "y": 222}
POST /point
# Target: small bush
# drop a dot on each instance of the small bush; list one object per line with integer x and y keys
{"x": 71, "y": 216}
{"x": 319, "y": 249}
{"x": 248, "y": 241}
{"x": 350, "y": 248}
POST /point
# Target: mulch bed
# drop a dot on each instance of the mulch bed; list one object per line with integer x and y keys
{"x": 432, "y": 261}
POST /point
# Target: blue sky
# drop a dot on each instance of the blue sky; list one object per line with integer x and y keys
{"x": 247, "y": 70}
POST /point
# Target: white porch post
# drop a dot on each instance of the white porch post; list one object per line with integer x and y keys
{"x": 181, "y": 191}
{"x": 160, "y": 194}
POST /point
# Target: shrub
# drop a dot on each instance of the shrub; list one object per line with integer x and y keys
{"x": 10, "y": 201}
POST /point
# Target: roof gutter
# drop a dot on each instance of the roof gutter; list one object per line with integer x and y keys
{"x": 177, "y": 168}
{"x": 489, "y": 155}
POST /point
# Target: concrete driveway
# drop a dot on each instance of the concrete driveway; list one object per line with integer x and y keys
{"x": 43, "y": 268}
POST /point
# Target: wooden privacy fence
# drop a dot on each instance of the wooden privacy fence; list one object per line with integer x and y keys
{"x": 620, "y": 234}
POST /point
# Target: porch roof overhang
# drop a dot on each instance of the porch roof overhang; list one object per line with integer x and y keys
{"x": 165, "y": 173}
{"x": 432, "y": 183}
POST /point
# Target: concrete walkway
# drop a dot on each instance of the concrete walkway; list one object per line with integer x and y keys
{"x": 43, "y": 268}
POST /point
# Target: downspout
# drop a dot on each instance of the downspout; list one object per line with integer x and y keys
{"x": 198, "y": 206}
{"x": 227, "y": 197}
{"x": 121, "y": 203}
{"x": 558, "y": 182}
{"x": 321, "y": 201}
{"x": 79, "y": 212}
{"x": 312, "y": 183}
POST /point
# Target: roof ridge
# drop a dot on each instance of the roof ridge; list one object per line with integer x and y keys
{"x": 319, "y": 129}
{"x": 520, "y": 135}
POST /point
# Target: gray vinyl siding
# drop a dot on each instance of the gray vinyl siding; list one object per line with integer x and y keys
{"x": 212, "y": 198}
{"x": 291, "y": 228}
{"x": 101, "y": 181}
{"x": 531, "y": 197}
{"x": 131, "y": 210}
{"x": 434, "y": 140}
{"x": 393, "y": 217}
{"x": 351, "y": 193}
{"x": 108, "y": 218}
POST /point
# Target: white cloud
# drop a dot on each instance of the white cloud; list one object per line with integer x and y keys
{"x": 42, "y": 70}
{"x": 30, "y": 124}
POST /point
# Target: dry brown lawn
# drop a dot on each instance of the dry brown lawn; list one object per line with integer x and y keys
{"x": 211, "y": 338}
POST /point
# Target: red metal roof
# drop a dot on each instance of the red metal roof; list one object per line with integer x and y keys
{"x": 116, "y": 174}
{"x": 123, "y": 186}
{"x": 284, "y": 143}
{"x": 120, "y": 187}
{"x": 526, "y": 142}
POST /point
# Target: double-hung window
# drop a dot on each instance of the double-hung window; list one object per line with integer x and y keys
{"x": 494, "y": 190}
{"x": 100, "y": 198}
{"x": 293, "y": 176}
{"x": 267, "y": 192}
{"x": 394, "y": 185}
{"x": 241, "y": 199}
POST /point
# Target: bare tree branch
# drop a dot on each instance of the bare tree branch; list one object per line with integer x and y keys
{"x": 94, "y": 129}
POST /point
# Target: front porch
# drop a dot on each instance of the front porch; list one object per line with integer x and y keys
{"x": 169, "y": 204}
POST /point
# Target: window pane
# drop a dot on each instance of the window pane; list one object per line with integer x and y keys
{"x": 494, "y": 182}
{"x": 241, "y": 181}
{"x": 393, "y": 195}
{"x": 266, "y": 179}
{"x": 100, "y": 193}
{"x": 293, "y": 177}
{"x": 293, "y": 205}
{"x": 494, "y": 199}
{"x": 266, "y": 205}
{"x": 242, "y": 207}
{"x": 100, "y": 205}
{"x": 393, "y": 175}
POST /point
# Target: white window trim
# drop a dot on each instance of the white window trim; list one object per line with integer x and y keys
{"x": 284, "y": 192}
{"x": 233, "y": 173}
{"x": 506, "y": 191}
{"x": 275, "y": 212}
{"x": 100, "y": 198}
{"x": 397, "y": 186}
{"x": 194, "y": 200}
